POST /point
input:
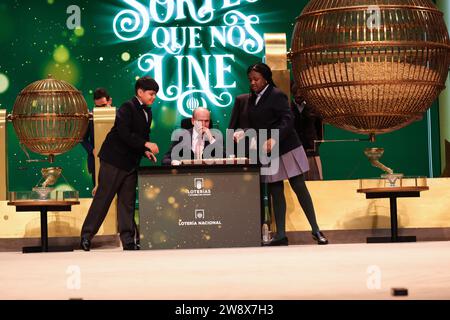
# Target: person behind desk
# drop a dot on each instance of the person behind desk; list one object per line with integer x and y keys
{"x": 126, "y": 143}
{"x": 101, "y": 99}
{"x": 192, "y": 143}
{"x": 268, "y": 109}
{"x": 309, "y": 127}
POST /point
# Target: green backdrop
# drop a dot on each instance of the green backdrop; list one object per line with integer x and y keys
{"x": 37, "y": 38}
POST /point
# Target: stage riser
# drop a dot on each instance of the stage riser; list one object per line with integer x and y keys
{"x": 360, "y": 236}
{"x": 339, "y": 207}
{"x": 64, "y": 224}
{"x": 346, "y": 216}
{"x": 16, "y": 244}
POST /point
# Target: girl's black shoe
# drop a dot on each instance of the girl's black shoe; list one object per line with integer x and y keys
{"x": 319, "y": 237}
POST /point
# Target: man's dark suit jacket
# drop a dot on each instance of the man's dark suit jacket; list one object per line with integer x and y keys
{"x": 309, "y": 127}
{"x": 88, "y": 145}
{"x": 124, "y": 144}
{"x": 273, "y": 112}
{"x": 186, "y": 142}
{"x": 239, "y": 114}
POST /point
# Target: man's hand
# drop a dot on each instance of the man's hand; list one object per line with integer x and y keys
{"x": 268, "y": 145}
{"x": 205, "y": 132}
{"x": 150, "y": 156}
{"x": 153, "y": 147}
{"x": 238, "y": 135}
{"x": 94, "y": 191}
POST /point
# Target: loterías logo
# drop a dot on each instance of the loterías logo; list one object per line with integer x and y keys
{"x": 199, "y": 189}
{"x": 198, "y": 183}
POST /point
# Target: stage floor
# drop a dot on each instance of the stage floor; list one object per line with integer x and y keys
{"x": 346, "y": 271}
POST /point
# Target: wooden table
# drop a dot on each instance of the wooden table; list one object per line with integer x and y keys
{"x": 43, "y": 206}
{"x": 392, "y": 194}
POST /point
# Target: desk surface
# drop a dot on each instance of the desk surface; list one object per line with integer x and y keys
{"x": 393, "y": 190}
{"x": 216, "y": 168}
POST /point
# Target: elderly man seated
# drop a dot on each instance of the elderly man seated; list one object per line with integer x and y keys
{"x": 198, "y": 142}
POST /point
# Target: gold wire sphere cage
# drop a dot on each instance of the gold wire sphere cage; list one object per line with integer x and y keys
{"x": 370, "y": 66}
{"x": 50, "y": 117}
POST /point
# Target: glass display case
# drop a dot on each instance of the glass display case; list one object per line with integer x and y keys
{"x": 36, "y": 195}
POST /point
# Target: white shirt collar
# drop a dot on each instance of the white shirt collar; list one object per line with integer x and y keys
{"x": 143, "y": 110}
{"x": 139, "y": 100}
{"x": 260, "y": 94}
{"x": 300, "y": 106}
{"x": 194, "y": 134}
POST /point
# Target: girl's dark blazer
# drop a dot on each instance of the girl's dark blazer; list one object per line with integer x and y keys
{"x": 271, "y": 112}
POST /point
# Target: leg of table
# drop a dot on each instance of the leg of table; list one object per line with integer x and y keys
{"x": 44, "y": 247}
{"x": 44, "y": 230}
{"x": 394, "y": 226}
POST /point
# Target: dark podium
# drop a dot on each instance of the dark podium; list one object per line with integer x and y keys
{"x": 199, "y": 206}
{"x": 43, "y": 206}
{"x": 392, "y": 193}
